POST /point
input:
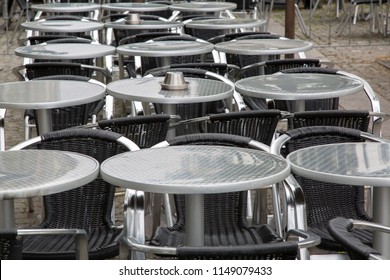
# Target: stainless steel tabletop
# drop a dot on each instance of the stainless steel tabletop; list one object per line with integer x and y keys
{"x": 166, "y": 48}
{"x": 149, "y": 90}
{"x": 135, "y": 7}
{"x": 264, "y": 46}
{"x": 195, "y": 169}
{"x": 64, "y": 51}
{"x": 144, "y": 24}
{"x": 351, "y": 163}
{"x": 62, "y": 25}
{"x": 66, "y": 7}
{"x": 203, "y": 6}
{"x": 299, "y": 86}
{"x": 29, "y": 173}
{"x": 362, "y": 164}
{"x": 225, "y": 23}
{"x": 48, "y": 94}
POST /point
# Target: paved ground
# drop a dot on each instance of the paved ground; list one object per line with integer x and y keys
{"x": 364, "y": 58}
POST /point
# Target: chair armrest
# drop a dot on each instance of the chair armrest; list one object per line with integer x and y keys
{"x": 309, "y": 239}
{"x": 340, "y": 228}
{"x": 79, "y": 235}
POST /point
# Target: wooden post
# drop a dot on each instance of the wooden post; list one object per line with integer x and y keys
{"x": 289, "y": 19}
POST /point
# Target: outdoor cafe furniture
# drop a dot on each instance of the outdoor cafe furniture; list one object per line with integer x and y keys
{"x": 162, "y": 49}
{"x": 40, "y": 172}
{"x": 262, "y": 47}
{"x": 135, "y": 7}
{"x": 298, "y": 87}
{"x": 360, "y": 164}
{"x": 45, "y": 95}
{"x": 62, "y": 26}
{"x": 68, "y": 52}
{"x": 67, "y": 8}
{"x": 341, "y": 230}
{"x": 162, "y": 170}
{"x": 196, "y": 26}
{"x": 202, "y": 7}
{"x": 223, "y": 234}
{"x": 150, "y": 90}
{"x": 89, "y": 207}
{"x": 142, "y": 25}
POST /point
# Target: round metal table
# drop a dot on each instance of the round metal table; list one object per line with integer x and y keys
{"x": 135, "y": 7}
{"x": 298, "y": 87}
{"x": 225, "y": 23}
{"x": 62, "y": 26}
{"x": 64, "y": 51}
{"x": 264, "y": 46}
{"x": 29, "y": 173}
{"x": 202, "y": 7}
{"x": 66, "y": 8}
{"x": 149, "y": 90}
{"x": 194, "y": 171}
{"x": 144, "y": 24}
{"x": 48, "y": 94}
{"x": 362, "y": 164}
{"x": 165, "y": 49}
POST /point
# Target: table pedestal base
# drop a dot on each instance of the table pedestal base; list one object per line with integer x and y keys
{"x": 381, "y": 215}
{"x": 7, "y": 213}
{"x": 194, "y": 219}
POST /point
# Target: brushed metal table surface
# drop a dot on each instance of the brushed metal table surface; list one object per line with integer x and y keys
{"x": 66, "y": 7}
{"x": 264, "y": 46}
{"x": 28, "y": 173}
{"x": 166, "y": 48}
{"x": 203, "y": 6}
{"x": 64, "y": 51}
{"x": 298, "y": 87}
{"x": 194, "y": 171}
{"x": 144, "y": 24}
{"x": 48, "y": 94}
{"x": 362, "y": 164}
{"x": 225, "y": 23}
{"x": 149, "y": 90}
{"x": 62, "y": 25}
{"x": 135, "y": 7}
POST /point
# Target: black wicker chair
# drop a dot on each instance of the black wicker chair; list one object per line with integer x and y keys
{"x": 341, "y": 230}
{"x": 318, "y": 201}
{"x": 88, "y": 207}
{"x": 11, "y": 241}
{"x": 146, "y": 131}
{"x": 260, "y": 125}
{"x": 227, "y": 232}
{"x": 43, "y": 69}
{"x": 356, "y": 119}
